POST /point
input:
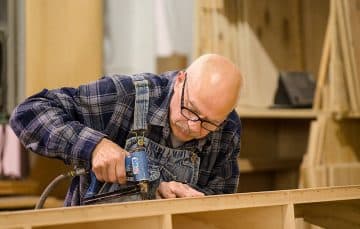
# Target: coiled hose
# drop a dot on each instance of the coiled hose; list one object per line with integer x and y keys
{"x": 54, "y": 182}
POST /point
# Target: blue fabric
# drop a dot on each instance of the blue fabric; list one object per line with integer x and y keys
{"x": 165, "y": 164}
{"x": 141, "y": 102}
{"x": 67, "y": 124}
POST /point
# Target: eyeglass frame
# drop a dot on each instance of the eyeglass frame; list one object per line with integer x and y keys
{"x": 198, "y": 118}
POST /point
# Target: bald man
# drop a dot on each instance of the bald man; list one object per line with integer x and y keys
{"x": 190, "y": 131}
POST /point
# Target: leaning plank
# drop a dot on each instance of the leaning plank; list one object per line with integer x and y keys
{"x": 322, "y": 125}
{"x": 343, "y": 31}
{"x": 309, "y": 157}
{"x": 312, "y": 145}
{"x": 352, "y": 18}
{"x": 324, "y": 65}
{"x": 338, "y": 90}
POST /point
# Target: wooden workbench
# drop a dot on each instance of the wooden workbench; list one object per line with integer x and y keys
{"x": 335, "y": 207}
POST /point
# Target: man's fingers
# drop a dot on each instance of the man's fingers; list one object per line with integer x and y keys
{"x": 176, "y": 189}
{"x": 164, "y": 191}
{"x": 108, "y": 163}
{"x": 111, "y": 172}
{"x": 179, "y": 189}
{"x": 192, "y": 192}
{"x": 120, "y": 173}
{"x": 184, "y": 190}
{"x": 167, "y": 194}
{"x": 104, "y": 172}
{"x": 98, "y": 174}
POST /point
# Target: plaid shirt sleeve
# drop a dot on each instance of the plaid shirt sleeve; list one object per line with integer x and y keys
{"x": 66, "y": 123}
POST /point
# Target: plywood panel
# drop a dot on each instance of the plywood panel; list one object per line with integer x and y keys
{"x": 342, "y": 214}
{"x": 134, "y": 223}
{"x": 314, "y": 16}
{"x": 277, "y": 25}
{"x": 271, "y": 217}
{"x": 256, "y": 181}
{"x": 63, "y": 43}
{"x": 341, "y": 143}
{"x": 259, "y": 139}
{"x": 63, "y": 48}
{"x": 287, "y": 179}
{"x": 292, "y": 138}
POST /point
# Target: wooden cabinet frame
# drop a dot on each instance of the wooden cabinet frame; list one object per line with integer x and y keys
{"x": 276, "y": 209}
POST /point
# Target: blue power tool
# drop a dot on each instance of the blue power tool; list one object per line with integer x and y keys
{"x": 137, "y": 174}
{"x": 136, "y": 165}
{"x": 138, "y": 178}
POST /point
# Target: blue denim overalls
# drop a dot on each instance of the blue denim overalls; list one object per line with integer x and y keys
{"x": 165, "y": 164}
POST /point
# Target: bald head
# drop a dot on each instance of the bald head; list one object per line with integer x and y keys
{"x": 215, "y": 82}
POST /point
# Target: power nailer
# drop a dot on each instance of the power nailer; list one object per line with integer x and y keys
{"x": 137, "y": 173}
{"x": 137, "y": 186}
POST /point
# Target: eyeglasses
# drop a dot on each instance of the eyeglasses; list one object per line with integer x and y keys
{"x": 192, "y": 116}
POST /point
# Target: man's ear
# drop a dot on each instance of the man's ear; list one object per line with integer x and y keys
{"x": 180, "y": 77}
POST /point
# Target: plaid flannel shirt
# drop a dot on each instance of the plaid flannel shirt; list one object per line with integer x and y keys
{"x": 68, "y": 123}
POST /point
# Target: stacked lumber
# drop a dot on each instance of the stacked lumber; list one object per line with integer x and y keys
{"x": 333, "y": 151}
{"x": 338, "y": 88}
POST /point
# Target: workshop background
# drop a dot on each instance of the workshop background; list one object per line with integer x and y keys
{"x": 300, "y": 106}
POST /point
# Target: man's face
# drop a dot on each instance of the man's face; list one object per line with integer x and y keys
{"x": 188, "y": 118}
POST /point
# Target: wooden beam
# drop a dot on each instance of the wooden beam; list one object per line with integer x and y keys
{"x": 157, "y": 208}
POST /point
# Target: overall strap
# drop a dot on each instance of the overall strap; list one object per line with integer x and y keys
{"x": 141, "y": 103}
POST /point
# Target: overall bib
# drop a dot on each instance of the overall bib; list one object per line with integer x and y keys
{"x": 165, "y": 164}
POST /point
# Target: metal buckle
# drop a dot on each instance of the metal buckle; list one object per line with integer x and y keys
{"x": 140, "y": 136}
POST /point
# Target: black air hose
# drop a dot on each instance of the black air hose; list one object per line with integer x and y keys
{"x": 53, "y": 183}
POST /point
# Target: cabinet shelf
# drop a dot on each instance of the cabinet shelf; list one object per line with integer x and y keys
{"x": 275, "y": 113}
{"x": 248, "y": 165}
{"x": 246, "y": 112}
{"x": 17, "y": 187}
{"x": 27, "y": 202}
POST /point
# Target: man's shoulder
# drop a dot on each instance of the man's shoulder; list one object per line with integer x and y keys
{"x": 155, "y": 80}
{"x": 234, "y": 117}
{"x": 233, "y": 122}
{"x": 163, "y": 79}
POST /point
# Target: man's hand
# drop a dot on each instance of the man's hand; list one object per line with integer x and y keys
{"x": 175, "y": 189}
{"x": 108, "y": 162}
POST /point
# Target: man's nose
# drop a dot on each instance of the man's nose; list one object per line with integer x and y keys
{"x": 194, "y": 126}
